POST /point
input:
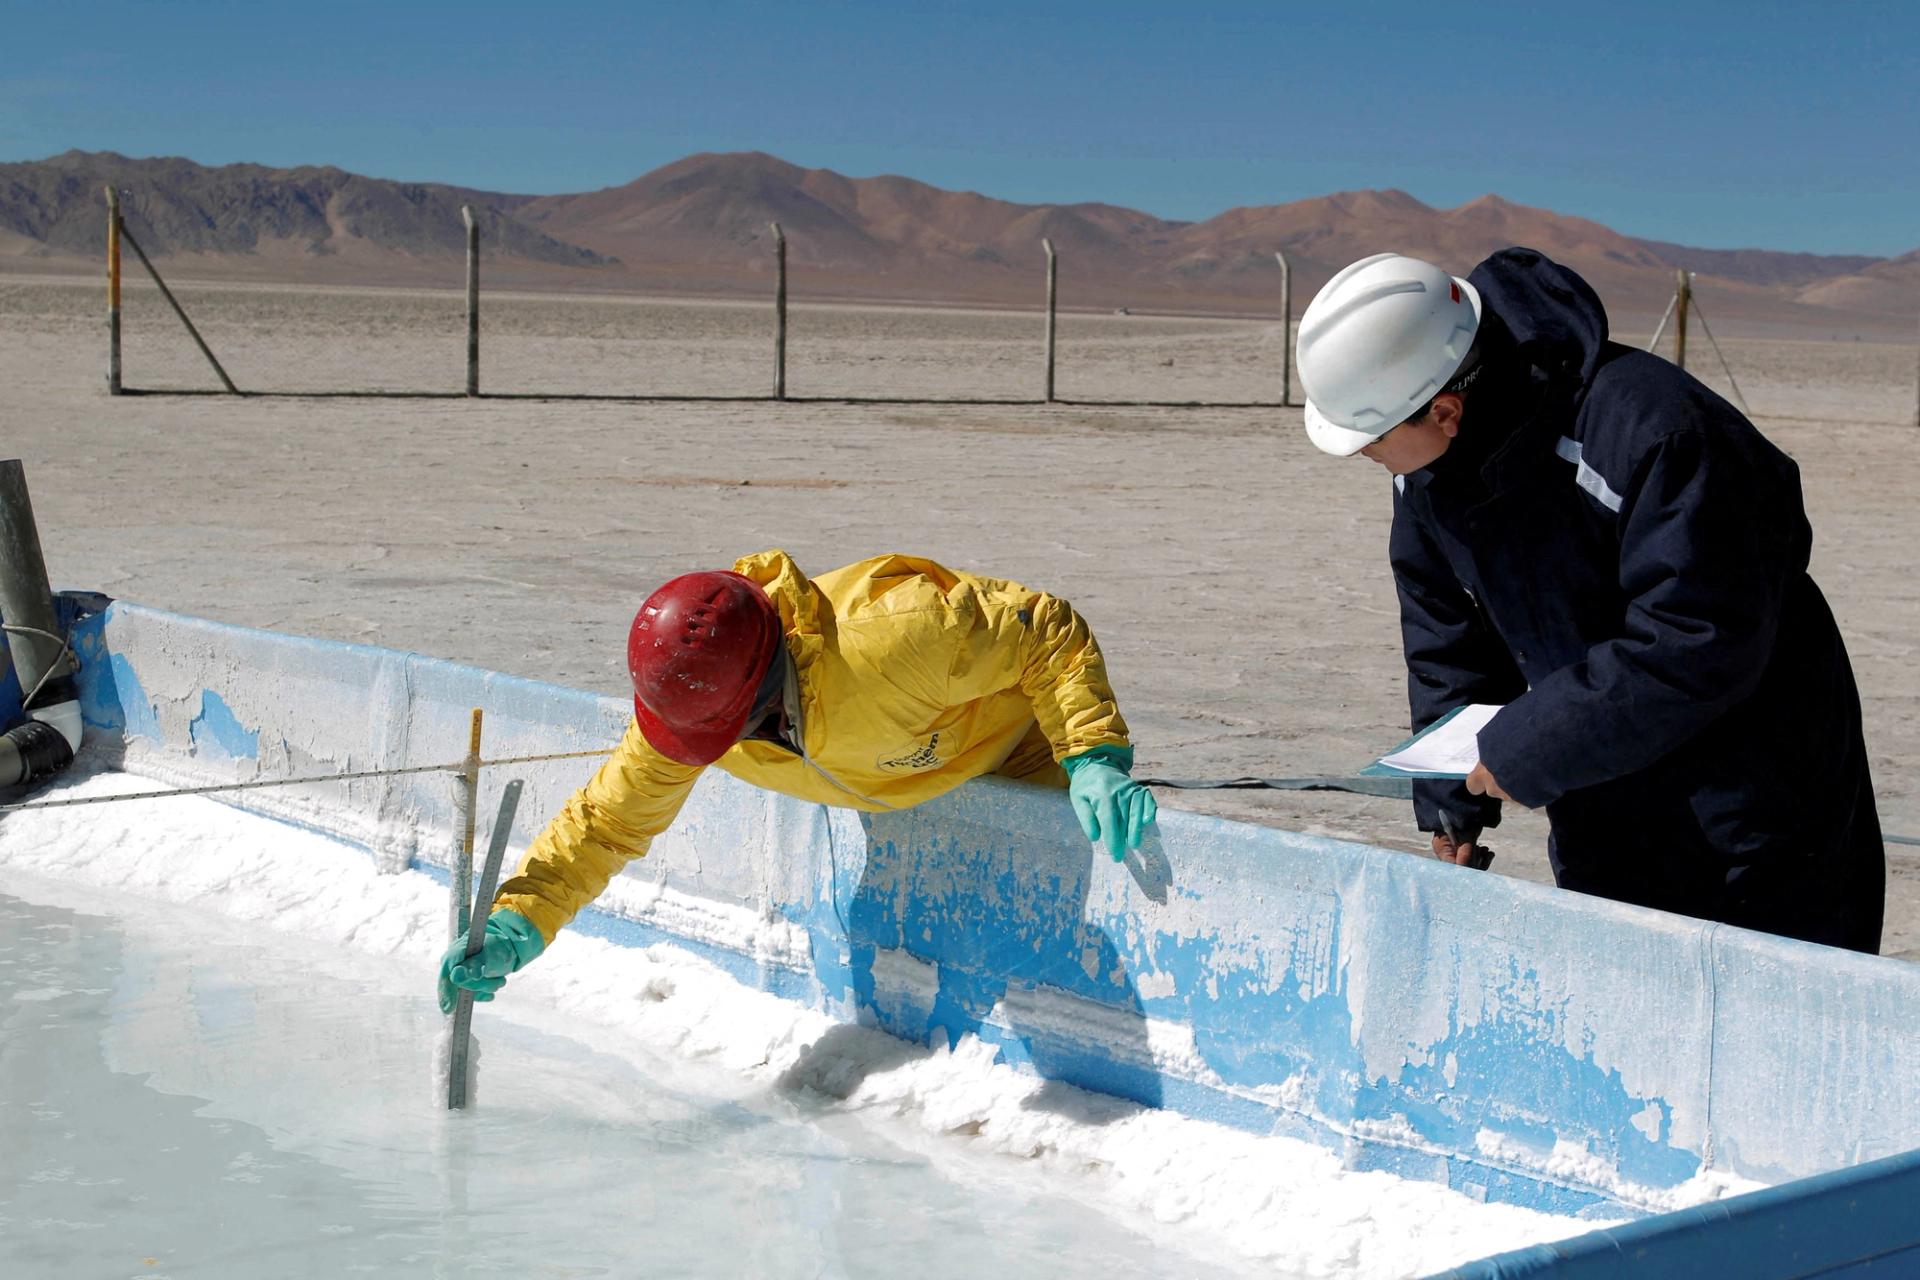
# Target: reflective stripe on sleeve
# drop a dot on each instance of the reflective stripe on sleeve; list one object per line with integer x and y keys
{"x": 1586, "y": 477}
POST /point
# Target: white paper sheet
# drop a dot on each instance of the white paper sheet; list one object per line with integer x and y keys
{"x": 1452, "y": 748}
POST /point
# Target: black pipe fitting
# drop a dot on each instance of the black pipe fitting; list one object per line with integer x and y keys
{"x": 32, "y": 750}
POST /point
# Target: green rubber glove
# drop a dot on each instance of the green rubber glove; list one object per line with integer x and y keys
{"x": 511, "y": 943}
{"x": 1113, "y": 809}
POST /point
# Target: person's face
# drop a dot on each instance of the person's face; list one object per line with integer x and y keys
{"x": 769, "y": 708}
{"x": 1418, "y": 442}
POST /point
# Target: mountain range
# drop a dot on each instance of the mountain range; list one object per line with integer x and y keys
{"x": 701, "y": 225}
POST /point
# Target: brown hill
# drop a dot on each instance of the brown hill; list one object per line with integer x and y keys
{"x": 701, "y": 225}
{"x": 1760, "y": 266}
{"x": 176, "y": 207}
{"x": 705, "y": 219}
{"x": 1323, "y": 234}
{"x": 715, "y": 210}
{"x": 1888, "y": 286}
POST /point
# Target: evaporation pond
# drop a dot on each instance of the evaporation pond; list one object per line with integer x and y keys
{"x": 184, "y": 1095}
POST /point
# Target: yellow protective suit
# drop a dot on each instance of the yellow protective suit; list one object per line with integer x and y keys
{"x": 907, "y": 679}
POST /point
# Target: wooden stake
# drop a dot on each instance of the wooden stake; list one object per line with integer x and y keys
{"x": 113, "y": 291}
{"x": 1683, "y": 291}
{"x": 473, "y": 300}
{"x": 1053, "y": 299}
{"x": 1286, "y": 330}
{"x": 779, "y": 312}
{"x": 468, "y": 793}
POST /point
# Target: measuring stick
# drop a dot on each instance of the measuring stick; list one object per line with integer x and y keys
{"x": 476, "y": 935}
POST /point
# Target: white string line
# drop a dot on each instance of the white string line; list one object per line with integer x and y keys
{"x": 459, "y": 768}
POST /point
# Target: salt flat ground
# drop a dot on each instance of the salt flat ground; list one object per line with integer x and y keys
{"x": 1237, "y": 579}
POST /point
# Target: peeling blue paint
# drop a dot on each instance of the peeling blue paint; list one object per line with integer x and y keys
{"x": 217, "y": 730}
{"x": 1453, "y": 1027}
{"x": 127, "y": 702}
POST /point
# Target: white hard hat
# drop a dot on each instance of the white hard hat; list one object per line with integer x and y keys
{"x": 1382, "y": 339}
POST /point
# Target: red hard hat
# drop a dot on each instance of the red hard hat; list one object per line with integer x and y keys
{"x": 698, "y": 650}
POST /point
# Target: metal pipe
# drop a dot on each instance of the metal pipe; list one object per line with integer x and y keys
{"x": 113, "y": 291}
{"x": 25, "y": 598}
{"x": 476, "y": 935}
{"x": 779, "y": 312}
{"x": 180, "y": 311}
{"x": 41, "y": 659}
{"x": 473, "y": 300}
{"x": 1053, "y": 299}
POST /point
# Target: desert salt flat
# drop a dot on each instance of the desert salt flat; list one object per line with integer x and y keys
{"x": 221, "y": 1041}
{"x": 1236, "y": 578}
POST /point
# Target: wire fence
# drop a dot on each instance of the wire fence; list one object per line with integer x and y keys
{"x": 292, "y": 339}
{"x": 295, "y": 340}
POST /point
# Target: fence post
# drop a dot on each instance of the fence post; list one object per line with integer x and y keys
{"x": 779, "y": 312}
{"x": 1053, "y": 298}
{"x": 1916, "y": 387}
{"x": 1683, "y": 293}
{"x": 1286, "y": 330}
{"x": 113, "y": 291}
{"x": 473, "y": 299}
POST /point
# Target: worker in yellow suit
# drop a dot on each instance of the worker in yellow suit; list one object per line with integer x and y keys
{"x": 877, "y": 686}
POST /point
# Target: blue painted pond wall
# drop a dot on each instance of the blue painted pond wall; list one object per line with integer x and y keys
{"x": 1514, "y": 1042}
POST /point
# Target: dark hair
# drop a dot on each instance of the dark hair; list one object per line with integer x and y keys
{"x": 1469, "y": 371}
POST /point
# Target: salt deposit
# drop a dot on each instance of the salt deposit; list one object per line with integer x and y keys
{"x": 577, "y": 1036}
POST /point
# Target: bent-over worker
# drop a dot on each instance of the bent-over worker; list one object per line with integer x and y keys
{"x": 876, "y": 687}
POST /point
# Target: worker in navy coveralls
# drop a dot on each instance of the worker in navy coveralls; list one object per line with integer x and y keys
{"x": 1590, "y": 538}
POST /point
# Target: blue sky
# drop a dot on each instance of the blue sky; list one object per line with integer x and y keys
{"x": 1722, "y": 125}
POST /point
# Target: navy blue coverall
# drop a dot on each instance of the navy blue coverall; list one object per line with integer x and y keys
{"x": 1619, "y": 558}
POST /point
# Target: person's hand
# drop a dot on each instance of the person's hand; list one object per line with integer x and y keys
{"x": 1482, "y": 783}
{"x": 1461, "y": 845}
{"x": 1113, "y": 809}
{"x": 511, "y": 942}
{"x": 1465, "y": 853}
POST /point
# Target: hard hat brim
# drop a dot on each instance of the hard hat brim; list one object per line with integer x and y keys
{"x": 698, "y": 747}
{"x": 1330, "y": 437}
